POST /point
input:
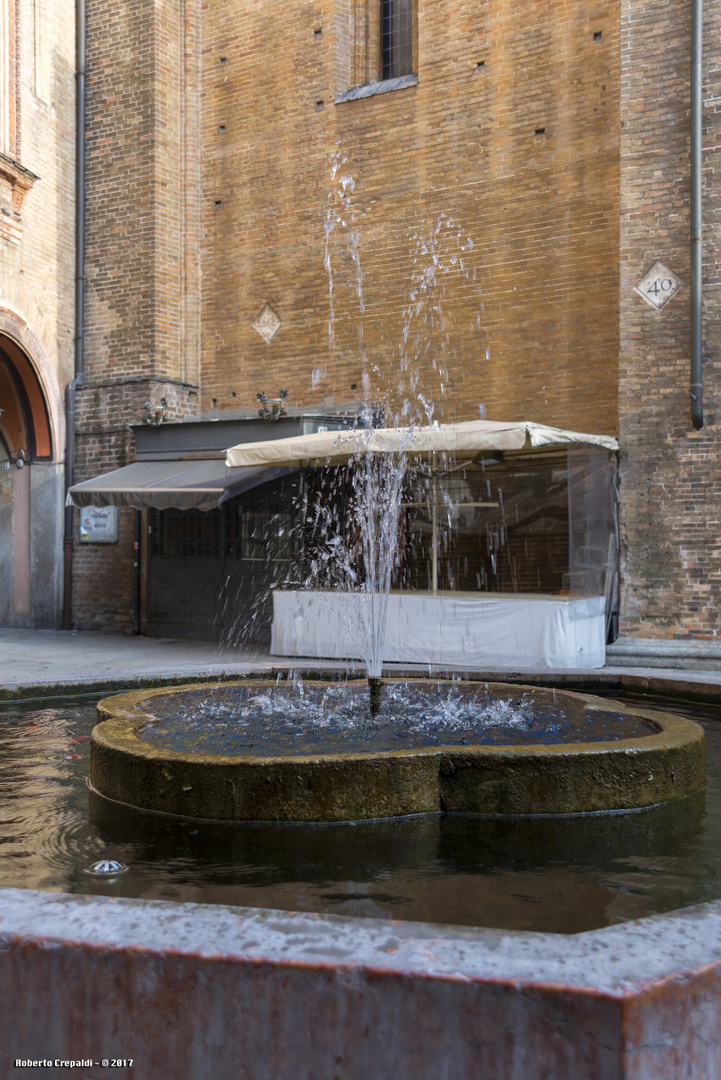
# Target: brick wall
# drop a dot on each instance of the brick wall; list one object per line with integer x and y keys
{"x": 218, "y": 150}
{"x": 37, "y": 134}
{"x": 37, "y": 274}
{"x": 541, "y": 339}
{"x": 670, "y": 473}
{"x": 142, "y": 257}
{"x": 142, "y": 190}
{"x": 554, "y": 137}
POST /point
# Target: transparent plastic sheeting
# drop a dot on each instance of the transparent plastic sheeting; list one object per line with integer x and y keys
{"x": 541, "y": 522}
{"x": 509, "y": 560}
{"x": 593, "y": 526}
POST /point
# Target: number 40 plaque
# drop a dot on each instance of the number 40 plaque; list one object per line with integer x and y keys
{"x": 658, "y": 285}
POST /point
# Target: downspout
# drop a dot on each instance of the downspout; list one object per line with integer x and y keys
{"x": 77, "y": 380}
{"x": 696, "y": 212}
{"x": 137, "y": 571}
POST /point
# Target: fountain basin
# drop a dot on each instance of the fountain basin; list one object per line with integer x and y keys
{"x": 597, "y": 759}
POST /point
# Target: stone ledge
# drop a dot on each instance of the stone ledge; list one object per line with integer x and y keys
{"x": 289, "y": 995}
{"x": 683, "y": 654}
{"x": 371, "y": 89}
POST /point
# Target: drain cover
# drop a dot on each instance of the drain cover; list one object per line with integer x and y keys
{"x": 106, "y": 868}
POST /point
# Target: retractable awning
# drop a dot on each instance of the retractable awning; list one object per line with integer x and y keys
{"x": 185, "y": 485}
{"x": 464, "y": 440}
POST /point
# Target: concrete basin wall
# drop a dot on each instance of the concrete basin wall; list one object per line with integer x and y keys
{"x": 667, "y": 763}
{"x": 194, "y": 992}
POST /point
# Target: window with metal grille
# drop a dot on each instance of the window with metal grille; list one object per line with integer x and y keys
{"x": 396, "y": 38}
{"x": 261, "y": 526}
{"x": 262, "y": 533}
{"x": 185, "y": 534}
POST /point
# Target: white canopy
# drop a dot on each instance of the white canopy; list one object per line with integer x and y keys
{"x": 464, "y": 440}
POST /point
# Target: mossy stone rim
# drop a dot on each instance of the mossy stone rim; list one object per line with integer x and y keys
{"x": 560, "y": 778}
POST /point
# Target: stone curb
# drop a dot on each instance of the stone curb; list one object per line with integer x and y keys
{"x": 603, "y": 681}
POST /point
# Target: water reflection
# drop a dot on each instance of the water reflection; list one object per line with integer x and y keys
{"x": 555, "y": 874}
{"x": 559, "y": 875}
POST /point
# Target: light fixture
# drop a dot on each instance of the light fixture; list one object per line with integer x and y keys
{"x": 272, "y": 408}
{"x": 154, "y": 415}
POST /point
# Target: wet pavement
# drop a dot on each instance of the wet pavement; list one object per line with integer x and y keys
{"x": 37, "y": 658}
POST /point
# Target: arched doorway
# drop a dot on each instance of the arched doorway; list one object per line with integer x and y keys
{"x": 31, "y": 489}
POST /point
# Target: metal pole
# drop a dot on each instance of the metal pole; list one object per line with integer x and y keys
{"x": 434, "y": 531}
{"x": 137, "y": 556}
{"x": 696, "y": 387}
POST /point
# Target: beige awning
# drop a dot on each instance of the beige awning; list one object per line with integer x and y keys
{"x": 185, "y": 485}
{"x": 464, "y": 440}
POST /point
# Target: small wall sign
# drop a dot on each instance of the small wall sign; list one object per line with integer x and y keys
{"x": 658, "y": 285}
{"x": 99, "y": 525}
{"x": 267, "y": 323}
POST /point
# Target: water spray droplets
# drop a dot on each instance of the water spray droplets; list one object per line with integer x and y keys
{"x": 318, "y": 374}
{"x": 340, "y": 212}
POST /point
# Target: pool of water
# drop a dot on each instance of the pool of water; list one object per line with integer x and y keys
{"x": 561, "y": 875}
{"x": 304, "y": 719}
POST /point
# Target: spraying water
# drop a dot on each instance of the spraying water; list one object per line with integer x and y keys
{"x": 361, "y": 521}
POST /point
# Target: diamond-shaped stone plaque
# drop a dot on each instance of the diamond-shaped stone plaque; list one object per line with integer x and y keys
{"x": 658, "y": 285}
{"x": 267, "y": 323}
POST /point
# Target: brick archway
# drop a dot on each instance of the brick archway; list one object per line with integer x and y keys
{"x": 32, "y": 433}
{"x": 35, "y": 410}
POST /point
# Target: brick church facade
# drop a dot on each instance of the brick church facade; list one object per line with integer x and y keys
{"x": 554, "y": 138}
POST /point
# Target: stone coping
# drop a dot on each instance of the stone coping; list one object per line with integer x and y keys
{"x": 558, "y": 778}
{"x": 615, "y": 960}
{"x": 383, "y": 86}
{"x": 192, "y": 992}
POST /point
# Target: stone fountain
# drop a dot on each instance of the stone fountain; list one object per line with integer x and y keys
{"x": 256, "y": 750}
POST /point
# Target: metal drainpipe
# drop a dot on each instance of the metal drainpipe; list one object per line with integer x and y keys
{"x": 696, "y": 212}
{"x": 79, "y": 302}
{"x": 137, "y": 571}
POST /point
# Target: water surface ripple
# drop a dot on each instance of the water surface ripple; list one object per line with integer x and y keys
{"x": 560, "y": 875}
{"x": 305, "y": 719}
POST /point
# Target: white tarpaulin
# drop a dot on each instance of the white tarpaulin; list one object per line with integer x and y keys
{"x": 464, "y": 439}
{"x": 488, "y": 632}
